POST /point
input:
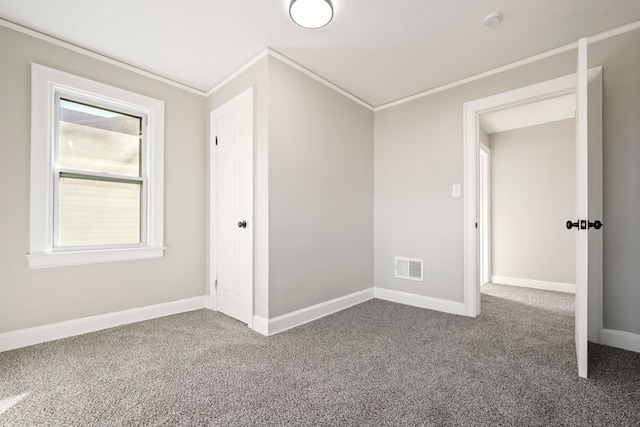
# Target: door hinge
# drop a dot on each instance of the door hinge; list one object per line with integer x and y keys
{"x": 476, "y": 225}
{"x": 216, "y": 140}
{"x": 215, "y": 285}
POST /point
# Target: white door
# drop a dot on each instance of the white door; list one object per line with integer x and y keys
{"x": 484, "y": 222}
{"x": 232, "y": 219}
{"x": 588, "y": 206}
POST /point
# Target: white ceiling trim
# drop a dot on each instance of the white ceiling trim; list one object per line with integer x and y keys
{"x": 322, "y": 80}
{"x": 592, "y": 39}
{"x": 488, "y": 73}
{"x": 94, "y": 55}
{"x": 236, "y": 73}
{"x": 294, "y": 65}
{"x": 613, "y": 32}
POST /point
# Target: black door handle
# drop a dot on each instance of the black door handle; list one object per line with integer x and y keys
{"x": 242, "y": 224}
{"x": 571, "y": 225}
{"x": 596, "y": 224}
{"x": 584, "y": 224}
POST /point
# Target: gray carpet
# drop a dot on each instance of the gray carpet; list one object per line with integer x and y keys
{"x": 377, "y": 363}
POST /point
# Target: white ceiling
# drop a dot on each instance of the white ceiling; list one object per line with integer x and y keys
{"x": 377, "y": 50}
{"x": 529, "y": 114}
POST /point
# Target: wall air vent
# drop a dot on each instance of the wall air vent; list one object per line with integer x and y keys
{"x": 409, "y": 268}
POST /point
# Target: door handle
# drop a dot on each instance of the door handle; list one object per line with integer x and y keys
{"x": 572, "y": 224}
{"x": 596, "y": 224}
{"x": 242, "y": 224}
{"x": 584, "y": 225}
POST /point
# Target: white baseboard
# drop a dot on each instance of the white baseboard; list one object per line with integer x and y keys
{"x": 535, "y": 284}
{"x": 261, "y": 325}
{"x": 305, "y": 315}
{"x": 209, "y": 302}
{"x": 40, "y": 334}
{"x": 437, "y": 304}
{"x": 25, "y": 337}
{"x": 620, "y": 339}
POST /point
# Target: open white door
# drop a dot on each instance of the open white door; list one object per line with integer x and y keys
{"x": 588, "y": 206}
{"x": 232, "y": 207}
{"x": 484, "y": 213}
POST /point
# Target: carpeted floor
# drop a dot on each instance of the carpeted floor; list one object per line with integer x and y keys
{"x": 377, "y": 363}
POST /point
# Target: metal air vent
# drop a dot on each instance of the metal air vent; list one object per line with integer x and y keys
{"x": 409, "y": 268}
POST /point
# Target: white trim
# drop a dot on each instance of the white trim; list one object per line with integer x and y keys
{"x": 565, "y": 48}
{"x": 41, "y": 36}
{"x": 45, "y": 84}
{"x": 620, "y": 339}
{"x": 62, "y": 259}
{"x": 614, "y": 32}
{"x": 261, "y": 325}
{"x": 480, "y": 76}
{"x": 430, "y": 303}
{"x": 70, "y": 328}
{"x": 320, "y": 79}
{"x": 91, "y": 54}
{"x": 308, "y": 314}
{"x": 294, "y": 65}
{"x": 471, "y": 111}
{"x": 237, "y": 72}
{"x": 535, "y": 284}
{"x": 40, "y": 334}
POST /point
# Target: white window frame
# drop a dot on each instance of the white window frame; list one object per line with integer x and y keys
{"x": 46, "y": 84}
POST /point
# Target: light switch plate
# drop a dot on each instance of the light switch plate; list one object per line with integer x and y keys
{"x": 455, "y": 190}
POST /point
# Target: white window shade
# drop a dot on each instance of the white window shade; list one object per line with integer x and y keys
{"x": 93, "y": 212}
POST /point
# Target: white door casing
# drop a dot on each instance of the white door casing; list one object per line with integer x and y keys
{"x": 232, "y": 220}
{"x": 471, "y": 111}
{"x": 588, "y": 206}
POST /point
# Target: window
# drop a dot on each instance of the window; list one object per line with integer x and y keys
{"x": 97, "y": 155}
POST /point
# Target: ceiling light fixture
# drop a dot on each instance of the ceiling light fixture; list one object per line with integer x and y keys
{"x": 311, "y": 13}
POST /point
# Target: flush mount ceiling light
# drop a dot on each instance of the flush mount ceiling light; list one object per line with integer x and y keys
{"x": 311, "y": 13}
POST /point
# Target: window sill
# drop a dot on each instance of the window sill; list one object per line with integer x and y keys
{"x": 62, "y": 259}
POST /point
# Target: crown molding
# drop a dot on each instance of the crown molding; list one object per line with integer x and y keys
{"x": 237, "y": 72}
{"x": 565, "y": 48}
{"x": 270, "y": 52}
{"x": 277, "y": 55}
{"x": 91, "y": 54}
{"x": 318, "y": 78}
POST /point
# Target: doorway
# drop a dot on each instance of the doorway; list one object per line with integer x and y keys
{"x": 526, "y": 192}
{"x": 587, "y": 84}
{"x": 472, "y": 112}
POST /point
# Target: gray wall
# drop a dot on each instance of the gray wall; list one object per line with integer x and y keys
{"x": 314, "y": 166}
{"x": 418, "y": 155}
{"x": 320, "y": 192}
{"x": 532, "y": 196}
{"x": 620, "y": 58}
{"x": 30, "y": 298}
